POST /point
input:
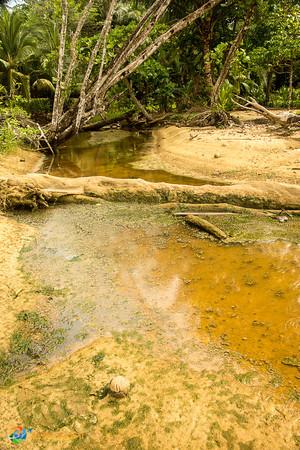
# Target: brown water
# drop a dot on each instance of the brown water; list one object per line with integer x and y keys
{"x": 247, "y": 297}
{"x": 124, "y": 266}
{"x": 111, "y": 154}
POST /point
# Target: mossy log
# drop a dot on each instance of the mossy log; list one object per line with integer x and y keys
{"x": 220, "y": 208}
{"x": 206, "y": 226}
{"x": 38, "y": 190}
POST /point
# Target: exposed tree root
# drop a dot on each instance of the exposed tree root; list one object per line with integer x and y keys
{"x": 21, "y": 195}
{"x": 212, "y": 118}
{"x": 206, "y": 118}
{"x": 37, "y": 190}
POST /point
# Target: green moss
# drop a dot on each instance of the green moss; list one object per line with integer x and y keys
{"x": 50, "y": 291}
{"x": 121, "y": 423}
{"x": 142, "y": 413}
{"x": 133, "y": 443}
{"x": 246, "y": 378}
{"x": 33, "y": 340}
{"x": 246, "y": 445}
{"x": 230, "y": 437}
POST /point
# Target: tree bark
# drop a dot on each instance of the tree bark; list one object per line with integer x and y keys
{"x": 206, "y": 226}
{"x": 231, "y": 54}
{"x": 100, "y": 42}
{"x": 74, "y": 55}
{"x": 136, "y": 101}
{"x": 99, "y": 87}
{"x": 206, "y": 35}
{"x": 291, "y": 76}
{"x": 252, "y": 105}
{"x": 60, "y": 67}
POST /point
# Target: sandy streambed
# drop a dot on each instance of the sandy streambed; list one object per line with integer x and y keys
{"x": 254, "y": 152}
{"x": 133, "y": 289}
{"x": 199, "y": 329}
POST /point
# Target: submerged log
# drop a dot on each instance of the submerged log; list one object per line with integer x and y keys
{"x": 222, "y": 208}
{"x": 39, "y": 189}
{"x": 206, "y": 226}
{"x": 208, "y": 213}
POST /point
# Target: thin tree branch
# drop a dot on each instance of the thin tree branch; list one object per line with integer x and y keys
{"x": 74, "y": 53}
{"x": 136, "y": 101}
{"x": 180, "y": 25}
{"x": 232, "y": 52}
{"x": 60, "y": 68}
{"x": 137, "y": 38}
{"x": 101, "y": 41}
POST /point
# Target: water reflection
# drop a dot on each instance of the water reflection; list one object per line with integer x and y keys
{"x": 247, "y": 297}
{"x": 111, "y": 154}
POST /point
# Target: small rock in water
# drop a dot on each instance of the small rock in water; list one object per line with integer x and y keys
{"x": 217, "y": 155}
{"x": 119, "y": 386}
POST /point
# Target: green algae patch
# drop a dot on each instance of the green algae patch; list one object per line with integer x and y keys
{"x": 242, "y": 228}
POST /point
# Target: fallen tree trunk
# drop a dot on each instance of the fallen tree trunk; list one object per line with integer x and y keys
{"x": 95, "y": 126}
{"x": 206, "y": 226}
{"x": 283, "y": 119}
{"x": 37, "y": 190}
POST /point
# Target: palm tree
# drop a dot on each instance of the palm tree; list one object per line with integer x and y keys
{"x": 17, "y": 44}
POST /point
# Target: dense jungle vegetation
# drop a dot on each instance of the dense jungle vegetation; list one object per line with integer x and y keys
{"x": 66, "y": 63}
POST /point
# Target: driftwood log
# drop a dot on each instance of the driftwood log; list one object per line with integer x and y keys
{"x": 283, "y": 119}
{"x": 206, "y": 226}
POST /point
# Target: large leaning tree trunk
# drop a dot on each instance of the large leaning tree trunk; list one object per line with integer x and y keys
{"x": 95, "y": 87}
{"x": 215, "y": 92}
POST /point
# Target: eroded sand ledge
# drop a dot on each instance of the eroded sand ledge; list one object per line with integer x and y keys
{"x": 37, "y": 190}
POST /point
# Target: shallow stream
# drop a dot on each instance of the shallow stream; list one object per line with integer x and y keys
{"x": 116, "y": 267}
{"x": 121, "y": 267}
{"x": 112, "y": 154}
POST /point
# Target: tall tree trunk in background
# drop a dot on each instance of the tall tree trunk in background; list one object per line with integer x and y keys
{"x": 291, "y": 77}
{"x": 10, "y": 82}
{"x": 101, "y": 42}
{"x": 231, "y": 54}
{"x": 269, "y": 82}
{"x": 206, "y": 36}
{"x": 60, "y": 67}
{"x": 129, "y": 58}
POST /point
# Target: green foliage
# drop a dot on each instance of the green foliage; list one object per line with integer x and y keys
{"x": 153, "y": 80}
{"x": 225, "y": 97}
{"x": 279, "y": 98}
{"x": 17, "y": 45}
{"x": 13, "y": 132}
{"x": 217, "y": 56}
{"x": 174, "y": 77}
{"x": 134, "y": 443}
{"x": 38, "y": 105}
